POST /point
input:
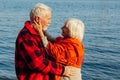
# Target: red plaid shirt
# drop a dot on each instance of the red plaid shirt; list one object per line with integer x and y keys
{"x": 30, "y": 60}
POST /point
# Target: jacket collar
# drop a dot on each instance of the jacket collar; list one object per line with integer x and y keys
{"x": 29, "y": 27}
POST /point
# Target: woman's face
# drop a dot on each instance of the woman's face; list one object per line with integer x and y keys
{"x": 65, "y": 31}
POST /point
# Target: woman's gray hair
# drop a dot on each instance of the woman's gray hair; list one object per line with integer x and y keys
{"x": 39, "y": 10}
{"x": 76, "y": 28}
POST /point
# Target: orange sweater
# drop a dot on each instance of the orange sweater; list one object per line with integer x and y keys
{"x": 69, "y": 51}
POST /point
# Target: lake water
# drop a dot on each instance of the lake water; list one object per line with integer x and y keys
{"x": 102, "y": 33}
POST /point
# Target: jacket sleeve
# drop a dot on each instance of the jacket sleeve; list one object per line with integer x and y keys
{"x": 58, "y": 52}
{"x": 35, "y": 60}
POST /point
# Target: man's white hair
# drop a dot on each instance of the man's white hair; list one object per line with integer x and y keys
{"x": 39, "y": 10}
{"x": 76, "y": 28}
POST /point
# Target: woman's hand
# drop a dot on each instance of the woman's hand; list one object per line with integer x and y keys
{"x": 38, "y": 28}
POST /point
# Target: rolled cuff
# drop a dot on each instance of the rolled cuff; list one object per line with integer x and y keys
{"x": 45, "y": 41}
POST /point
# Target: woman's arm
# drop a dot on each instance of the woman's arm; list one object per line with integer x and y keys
{"x": 49, "y": 37}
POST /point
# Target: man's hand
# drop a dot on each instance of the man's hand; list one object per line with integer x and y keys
{"x": 69, "y": 71}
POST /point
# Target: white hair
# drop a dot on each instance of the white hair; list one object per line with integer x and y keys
{"x": 76, "y": 28}
{"x": 39, "y": 10}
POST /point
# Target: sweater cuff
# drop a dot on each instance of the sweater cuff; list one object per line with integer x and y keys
{"x": 45, "y": 41}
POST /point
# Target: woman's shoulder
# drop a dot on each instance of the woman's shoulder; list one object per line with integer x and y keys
{"x": 59, "y": 38}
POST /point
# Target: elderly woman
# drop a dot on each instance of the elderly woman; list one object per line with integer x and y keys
{"x": 67, "y": 49}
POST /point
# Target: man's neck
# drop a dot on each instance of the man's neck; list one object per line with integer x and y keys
{"x": 32, "y": 24}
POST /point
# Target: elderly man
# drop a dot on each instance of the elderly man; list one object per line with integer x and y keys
{"x": 30, "y": 55}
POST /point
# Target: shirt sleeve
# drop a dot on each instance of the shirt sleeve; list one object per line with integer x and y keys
{"x": 35, "y": 59}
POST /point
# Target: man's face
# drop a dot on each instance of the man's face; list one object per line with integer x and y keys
{"x": 46, "y": 20}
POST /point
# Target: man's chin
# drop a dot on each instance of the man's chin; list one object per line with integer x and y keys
{"x": 44, "y": 29}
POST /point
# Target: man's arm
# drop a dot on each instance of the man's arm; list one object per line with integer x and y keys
{"x": 34, "y": 58}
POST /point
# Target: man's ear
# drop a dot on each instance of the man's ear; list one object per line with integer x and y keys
{"x": 37, "y": 19}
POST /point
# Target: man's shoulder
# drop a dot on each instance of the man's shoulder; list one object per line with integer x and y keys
{"x": 22, "y": 33}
